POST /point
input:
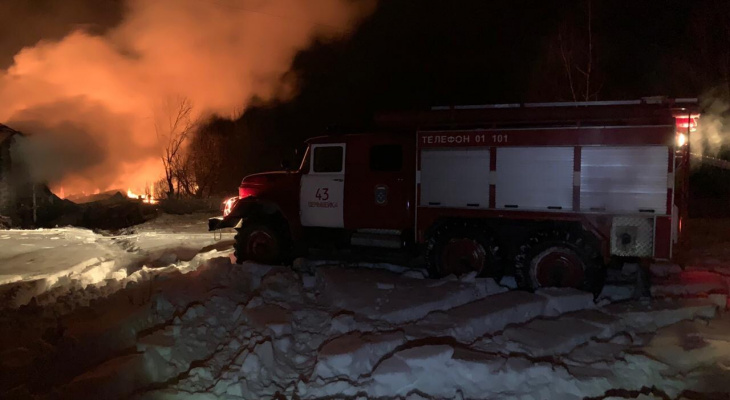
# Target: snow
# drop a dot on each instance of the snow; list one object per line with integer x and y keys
{"x": 665, "y": 269}
{"x": 160, "y": 312}
{"x": 47, "y": 264}
{"x": 50, "y": 254}
{"x": 612, "y": 293}
{"x": 548, "y": 337}
{"x": 470, "y": 321}
{"x": 354, "y": 354}
{"x": 391, "y": 297}
{"x": 684, "y": 283}
{"x": 560, "y": 301}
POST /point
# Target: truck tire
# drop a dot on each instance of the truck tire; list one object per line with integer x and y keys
{"x": 260, "y": 243}
{"x": 560, "y": 258}
{"x": 461, "y": 247}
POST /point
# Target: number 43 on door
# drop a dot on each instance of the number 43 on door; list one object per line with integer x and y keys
{"x": 322, "y": 194}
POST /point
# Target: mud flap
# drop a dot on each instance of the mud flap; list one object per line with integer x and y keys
{"x": 643, "y": 281}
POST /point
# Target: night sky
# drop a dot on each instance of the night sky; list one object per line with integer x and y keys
{"x": 412, "y": 54}
{"x": 479, "y": 52}
{"x": 473, "y": 52}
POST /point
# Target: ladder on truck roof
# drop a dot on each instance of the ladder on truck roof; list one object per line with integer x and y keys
{"x": 646, "y": 111}
{"x": 645, "y": 100}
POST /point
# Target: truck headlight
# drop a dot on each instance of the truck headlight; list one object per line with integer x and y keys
{"x": 228, "y": 205}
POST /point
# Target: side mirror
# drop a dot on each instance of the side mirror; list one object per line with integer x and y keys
{"x": 285, "y": 165}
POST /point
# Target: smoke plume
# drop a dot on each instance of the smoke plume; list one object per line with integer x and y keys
{"x": 713, "y": 130}
{"x": 90, "y": 102}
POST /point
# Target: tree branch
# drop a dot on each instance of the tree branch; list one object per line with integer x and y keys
{"x": 566, "y": 64}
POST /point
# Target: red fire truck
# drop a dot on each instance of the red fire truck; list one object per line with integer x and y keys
{"x": 550, "y": 192}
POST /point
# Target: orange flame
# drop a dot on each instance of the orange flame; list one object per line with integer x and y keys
{"x": 146, "y": 198}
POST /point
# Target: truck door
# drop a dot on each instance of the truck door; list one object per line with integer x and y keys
{"x": 321, "y": 200}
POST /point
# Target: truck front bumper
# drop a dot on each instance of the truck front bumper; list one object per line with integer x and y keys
{"x": 214, "y": 223}
{"x": 222, "y": 222}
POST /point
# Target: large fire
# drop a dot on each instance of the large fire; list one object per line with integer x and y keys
{"x": 94, "y": 105}
{"x": 148, "y": 197}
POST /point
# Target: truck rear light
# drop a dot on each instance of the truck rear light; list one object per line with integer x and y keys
{"x": 687, "y": 122}
{"x": 681, "y": 139}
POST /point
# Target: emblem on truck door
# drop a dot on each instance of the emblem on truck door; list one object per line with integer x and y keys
{"x": 381, "y": 195}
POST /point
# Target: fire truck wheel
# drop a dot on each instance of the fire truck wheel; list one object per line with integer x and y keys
{"x": 462, "y": 247}
{"x": 259, "y": 243}
{"x": 560, "y": 259}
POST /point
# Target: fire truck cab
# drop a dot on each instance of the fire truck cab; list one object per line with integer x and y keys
{"x": 550, "y": 192}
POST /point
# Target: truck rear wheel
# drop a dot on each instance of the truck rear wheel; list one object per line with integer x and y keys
{"x": 259, "y": 243}
{"x": 560, "y": 259}
{"x": 461, "y": 247}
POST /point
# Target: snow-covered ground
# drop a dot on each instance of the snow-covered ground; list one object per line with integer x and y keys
{"x": 204, "y": 328}
{"x": 48, "y": 263}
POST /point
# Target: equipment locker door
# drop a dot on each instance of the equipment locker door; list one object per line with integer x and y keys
{"x": 380, "y": 182}
{"x": 322, "y": 195}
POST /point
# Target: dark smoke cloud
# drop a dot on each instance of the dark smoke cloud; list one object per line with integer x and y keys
{"x": 66, "y": 139}
{"x": 24, "y": 23}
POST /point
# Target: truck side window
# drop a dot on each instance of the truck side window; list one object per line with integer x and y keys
{"x": 328, "y": 159}
{"x": 386, "y": 158}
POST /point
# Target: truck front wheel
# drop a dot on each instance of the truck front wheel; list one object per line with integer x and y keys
{"x": 560, "y": 259}
{"x": 459, "y": 248}
{"x": 258, "y": 243}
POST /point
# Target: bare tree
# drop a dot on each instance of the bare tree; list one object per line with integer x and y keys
{"x": 186, "y": 179}
{"x": 206, "y": 160}
{"x": 173, "y": 127}
{"x": 159, "y": 188}
{"x": 577, "y": 56}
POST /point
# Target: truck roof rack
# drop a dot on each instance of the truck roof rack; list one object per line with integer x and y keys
{"x": 643, "y": 100}
{"x": 646, "y": 111}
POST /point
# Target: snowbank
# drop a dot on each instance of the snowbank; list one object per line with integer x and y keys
{"x": 198, "y": 326}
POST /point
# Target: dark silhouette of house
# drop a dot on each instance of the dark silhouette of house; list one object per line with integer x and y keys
{"x": 21, "y": 199}
{"x": 8, "y": 203}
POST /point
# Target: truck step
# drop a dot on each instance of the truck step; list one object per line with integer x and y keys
{"x": 369, "y": 239}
